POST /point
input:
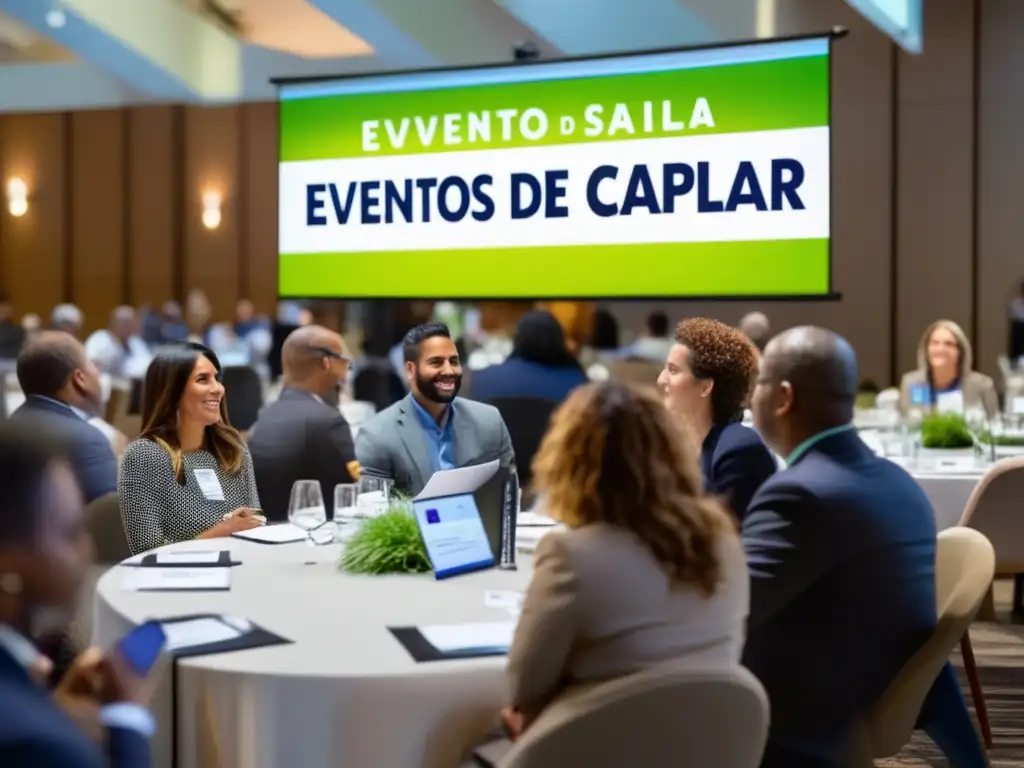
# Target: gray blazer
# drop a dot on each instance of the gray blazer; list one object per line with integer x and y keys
{"x": 392, "y": 444}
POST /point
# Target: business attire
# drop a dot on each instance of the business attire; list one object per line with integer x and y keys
{"x": 300, "y": 437}
{"x": 404, "y": 443}
{"x": 516, "y": 377}
{"x": 36, "y": 733}
{"x": 156, "y": 510}
{"x": 735, "y": 462}
{"x": 92, "y": 458}
{"x": 977, "y": 391}
{"x": 841, "y": 551}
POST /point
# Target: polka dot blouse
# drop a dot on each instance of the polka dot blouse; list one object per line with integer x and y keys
{"x": 157, "y": 511}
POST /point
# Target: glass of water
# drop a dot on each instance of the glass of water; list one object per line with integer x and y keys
{"x": 374, "y": 496}
{"x": 307, "y": 511}
{"x": 346, "y": 510}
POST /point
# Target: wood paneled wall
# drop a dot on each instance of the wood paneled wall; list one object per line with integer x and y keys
{"x": 115, "y": 207}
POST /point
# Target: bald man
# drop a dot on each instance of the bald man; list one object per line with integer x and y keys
{"x": 117, "y": 349}
{"x": 755, "y": 326}
{"x": 303, "y": 436}
{"x": 62, "y": 388}
{"x": 841, "y": 550}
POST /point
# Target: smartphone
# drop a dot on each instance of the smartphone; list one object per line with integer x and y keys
{"x": 141, "y": 647}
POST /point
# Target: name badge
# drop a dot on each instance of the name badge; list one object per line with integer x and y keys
{"x": 920, "y": 394}
{"x": 209, "y": 484}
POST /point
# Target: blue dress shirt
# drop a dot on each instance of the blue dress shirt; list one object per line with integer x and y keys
{"x": 441, "y": 437}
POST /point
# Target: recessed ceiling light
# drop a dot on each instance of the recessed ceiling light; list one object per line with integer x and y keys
{"x": 56, "y": 18}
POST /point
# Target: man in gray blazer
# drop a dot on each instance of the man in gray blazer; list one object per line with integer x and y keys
{"x": 431, "y": 428}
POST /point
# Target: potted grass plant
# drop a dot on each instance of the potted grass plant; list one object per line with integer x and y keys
{"x": 945, "y": 434}
{"x": 388, "y": 543}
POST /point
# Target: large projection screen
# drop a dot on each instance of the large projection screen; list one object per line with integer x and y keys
{"x": 700, "y": 173}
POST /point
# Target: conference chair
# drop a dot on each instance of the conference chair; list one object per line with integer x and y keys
{"x": 964, "y": 566}
{"x": 656, "y": 718}
{"x": 527, "y": 420}
{"x": 243, "y": 389}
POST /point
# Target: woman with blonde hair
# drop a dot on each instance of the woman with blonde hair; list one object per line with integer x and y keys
{"x": 189, "y": 475}
{"x": 650, "y": 571}
{"x": 945, "y": 378}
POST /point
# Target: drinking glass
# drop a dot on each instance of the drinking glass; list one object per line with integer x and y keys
{"x": 307, "y": 511}
{"x": 346, "y": 510}
{"x": 374, "y": 496}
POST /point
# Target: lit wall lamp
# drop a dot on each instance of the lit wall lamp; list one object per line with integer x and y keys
{"x": 17, "y": 196}
{"x": 211, "y": 210}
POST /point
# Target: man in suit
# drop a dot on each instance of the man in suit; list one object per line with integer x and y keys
{"x": 431, "y": 428}
{"x": 62, "y": 386}
{"x": 841, "y": 551}
{"x": 43, "y": 560}
{"x": 303, "y": 434}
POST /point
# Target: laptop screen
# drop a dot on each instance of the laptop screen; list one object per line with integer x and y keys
{"x": 454, "y": 535}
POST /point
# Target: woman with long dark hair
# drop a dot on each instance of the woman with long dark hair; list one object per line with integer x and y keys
{"x": 189, "y": 475}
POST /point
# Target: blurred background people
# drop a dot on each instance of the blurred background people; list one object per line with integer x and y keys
{"x": 67, "y": 318}
{"x": 755, "y": 326}
{"x": 12, "y": 334}
{"x": 654, "y": 342}
{"x": 118, "y": 350}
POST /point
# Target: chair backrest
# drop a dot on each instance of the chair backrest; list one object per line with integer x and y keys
{"x": 379, "y": 385}
{"x": 964, "y": 567}
{"x": 641, "y": 372}
{"x": 243, "y": 389}
{"x": 994, "y": 509}
{"x": 527, "y": 419}
{"x": 659, "y": 717}
{"x": 103, "y": 522}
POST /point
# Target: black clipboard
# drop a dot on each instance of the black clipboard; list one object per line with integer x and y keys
{"x": 151, "y": 561}
{"x": 421, "y": 650}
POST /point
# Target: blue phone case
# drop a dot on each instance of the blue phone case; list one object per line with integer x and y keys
{"x": 141, "y": 647}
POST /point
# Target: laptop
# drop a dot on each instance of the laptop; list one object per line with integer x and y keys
{"x": 454, "y": 535}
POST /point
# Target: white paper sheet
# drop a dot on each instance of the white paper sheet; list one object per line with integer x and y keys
{"x": 505, "y": 599}
{"x": 534, "y": 519}
{"x": 1017, "y": 405}
{"x": 283, "y": 533}
{"x": 187, "y": 558}
{"x": 196, "y": 632}
{"x": 455, "y": 482}
{"x": 175, "y": 579}
{"x": 465, "y": 637}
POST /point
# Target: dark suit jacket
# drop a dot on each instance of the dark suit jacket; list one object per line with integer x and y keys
{"x": 521, "y": 378}
{"x": 92, "y": 457}
{"x": 36, "y": 733}
{"x": 841, "y": 551}
{"x": 299, "y": 437}
{"x": 735, "y": 463}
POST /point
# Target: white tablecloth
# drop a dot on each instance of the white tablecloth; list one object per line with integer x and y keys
{"x": 346, "y": 693}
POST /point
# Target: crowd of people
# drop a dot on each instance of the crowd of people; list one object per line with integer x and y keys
{"x": 690, "y": 538}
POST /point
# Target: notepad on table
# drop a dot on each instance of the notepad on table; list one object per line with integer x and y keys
{"x": 193, "y": 633}
{"x": 188, "y": 558}
{"x": 455, "y": 638}
{"x": 176, "y": 579}
{"x": 284, "y": 533}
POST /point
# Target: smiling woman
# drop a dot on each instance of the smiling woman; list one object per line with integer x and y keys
{"x": 189, "y": 475}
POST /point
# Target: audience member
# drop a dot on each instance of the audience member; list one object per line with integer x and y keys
{"x": 841, "y": 550}
{"x": 12, "y": 335}
{"x": 67, "y": 318}
{"x": 654, "y": 343}
{"x": 62, "y": 386}
{"x": 755, "y": 326}
{"x": 540, "y": 365}
{"x": 1016, "y": 313}
{"x": 303, "y": 436}
{"x": 189, "y": 475}
{"x": 431, "y": 428}
{"x": 945, "y": 378}
{"x": 118, "y": 350}
{"x": 43, "y": 562}
{"x": 707, "y": 378}
{"x": 650, "y": 570}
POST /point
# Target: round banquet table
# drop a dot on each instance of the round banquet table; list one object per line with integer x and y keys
{"x": 345, "y": 692}
{"x": 948, "y": 493}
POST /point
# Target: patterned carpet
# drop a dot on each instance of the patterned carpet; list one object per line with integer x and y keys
{"x": 999, "y": 652}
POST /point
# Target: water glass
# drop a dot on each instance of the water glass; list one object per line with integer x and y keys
{"x": 307, "y": 511}
{"x": 374, "y": 496}
{"x": 346, "y": 510}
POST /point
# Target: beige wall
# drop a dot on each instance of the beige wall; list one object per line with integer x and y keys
{"x": 910, "y": 242}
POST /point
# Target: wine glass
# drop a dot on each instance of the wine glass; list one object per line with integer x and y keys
{"x": 374, "y": 495}
{"x": 307, "y": 511}
{"x": 346, "y": 507}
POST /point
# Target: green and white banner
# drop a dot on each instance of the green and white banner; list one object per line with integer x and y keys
{"x": 691, "y": 173}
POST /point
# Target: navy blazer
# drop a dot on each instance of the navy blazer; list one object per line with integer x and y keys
{"x": 521, "y": 378}
{"x": 841, "y": 551}
{"x": 735, "y": 463}
{"x": 36, "y": 733}
{"x": 92, "y": 458}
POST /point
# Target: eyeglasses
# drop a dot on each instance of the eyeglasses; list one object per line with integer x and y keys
{"x": 334, "y": 355}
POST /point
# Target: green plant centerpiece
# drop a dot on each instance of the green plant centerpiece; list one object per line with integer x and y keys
{"x": 945, "y": 431}
{"x": 1008, "y": 441}
{"x": 389, "y": 543}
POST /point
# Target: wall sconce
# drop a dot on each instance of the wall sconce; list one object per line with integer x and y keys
{"x": 211, "y": 210}
{"x": 17, "y": 196}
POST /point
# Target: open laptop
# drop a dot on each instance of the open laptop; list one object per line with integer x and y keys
{"x": 453, "y": 534}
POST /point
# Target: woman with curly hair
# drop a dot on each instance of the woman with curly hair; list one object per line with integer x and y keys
{"x": 708, "y": 376}
{"x": 650, "y": 570}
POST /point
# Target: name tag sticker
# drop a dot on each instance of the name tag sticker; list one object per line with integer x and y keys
{"x": 920, "y": 394}
{"x": 209, "y": 484}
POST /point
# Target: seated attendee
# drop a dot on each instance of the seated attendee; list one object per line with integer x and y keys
{"x": 118, "y": 350}
{"x": 540, "y": 365}
{"x": 12, "y": 335}
{"x": 841, "y": 551}
{"x": 650, "y": 571}
{"x": 654, "y": 343}
{"x": 189, "y": 475}
{"x": 707, "y": 378}
{"x": 755, "y": 326}
{"x": 63, "y": 387}
{"x": 302, "y": 435}
{"x": 67, "y": 318}
{"x": 945, "y": 378}
{"x": 431, "y": 428}
{"x": 43, "y": 563}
